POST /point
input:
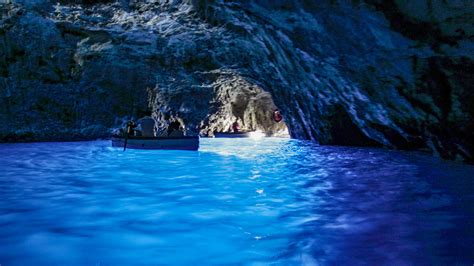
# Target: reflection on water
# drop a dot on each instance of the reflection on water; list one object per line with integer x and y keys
{"x": 236, "y": 201}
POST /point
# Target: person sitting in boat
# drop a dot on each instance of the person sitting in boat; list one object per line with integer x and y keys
{"x": 146, "y": 125}
{"x": 130, "y": 128}
{"x": 175, "y": 129}
{"x": 236, "y": 127}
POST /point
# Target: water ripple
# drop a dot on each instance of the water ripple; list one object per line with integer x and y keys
{"x": 272, "y": 201}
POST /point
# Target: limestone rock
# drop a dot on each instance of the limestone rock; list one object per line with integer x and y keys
{"x": 381, "y": 73}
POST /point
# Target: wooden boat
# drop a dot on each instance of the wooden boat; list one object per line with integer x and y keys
{"x": 232, "y": 135}
{"x": 158, "y": 143}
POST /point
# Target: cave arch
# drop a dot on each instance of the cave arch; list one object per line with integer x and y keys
{"x": 238, "y": 99}
{"x": 211, "y": 108}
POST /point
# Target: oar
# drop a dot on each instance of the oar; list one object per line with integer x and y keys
{"x": 126, "y": 137}
{"x": 129, "y": 124}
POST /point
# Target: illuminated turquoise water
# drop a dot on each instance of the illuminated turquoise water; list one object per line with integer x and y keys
{"x": 236, "y": 201}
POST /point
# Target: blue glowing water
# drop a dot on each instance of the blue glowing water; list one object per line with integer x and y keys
{"x": 236, "y": 201}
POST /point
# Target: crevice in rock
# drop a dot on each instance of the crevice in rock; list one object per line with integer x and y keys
{"x": 343, "y": 131}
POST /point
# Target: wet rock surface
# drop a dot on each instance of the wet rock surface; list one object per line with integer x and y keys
{"x": 376, "y": 73}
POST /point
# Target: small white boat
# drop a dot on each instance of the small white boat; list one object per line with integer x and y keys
{"x": 232, "y": 135}
{"x": 157, "y": 143}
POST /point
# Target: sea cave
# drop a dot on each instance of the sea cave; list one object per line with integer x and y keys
{"x": 247, "y": 132}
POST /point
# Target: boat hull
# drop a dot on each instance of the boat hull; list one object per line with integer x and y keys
{"x": 232, "y": 135}
{"x": 158, "y": 143}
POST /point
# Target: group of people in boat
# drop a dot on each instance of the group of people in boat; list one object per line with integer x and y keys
{"x": 145, "y": 127}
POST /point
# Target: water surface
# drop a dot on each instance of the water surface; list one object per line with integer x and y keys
{"x": 236, "y": 201}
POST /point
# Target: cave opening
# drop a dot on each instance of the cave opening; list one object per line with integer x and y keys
{"x": 246, "y": 106}
{"x": 217, "y": 107}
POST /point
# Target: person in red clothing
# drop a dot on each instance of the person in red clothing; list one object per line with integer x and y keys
{"x": 236, "y": 127}
{"x": 277, "y": 117}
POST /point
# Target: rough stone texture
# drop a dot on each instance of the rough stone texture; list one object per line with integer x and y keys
{"x": 392, "y": 73}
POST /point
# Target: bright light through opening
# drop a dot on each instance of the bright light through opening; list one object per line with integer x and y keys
{"x": 256, "y": 134}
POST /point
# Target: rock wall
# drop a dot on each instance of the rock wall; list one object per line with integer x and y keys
{"x": 379, "y": 73}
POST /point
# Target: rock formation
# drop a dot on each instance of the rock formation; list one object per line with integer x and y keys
{"x": 390, "y": 73}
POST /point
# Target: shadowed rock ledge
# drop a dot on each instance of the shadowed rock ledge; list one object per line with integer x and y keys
{"x": 372, "y": 73}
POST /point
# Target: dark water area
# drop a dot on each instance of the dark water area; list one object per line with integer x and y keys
{"x": 241, "y": 202}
